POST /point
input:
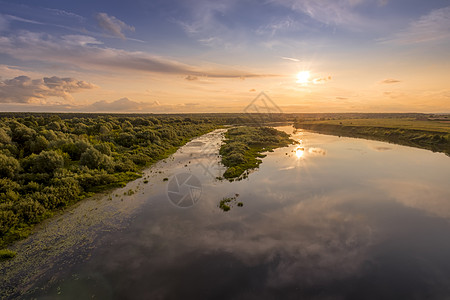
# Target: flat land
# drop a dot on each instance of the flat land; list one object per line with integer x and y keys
{"x": 427, "y": 134}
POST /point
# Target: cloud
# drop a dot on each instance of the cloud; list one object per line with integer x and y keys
{"x": 390, "y": 81}
{"x": 113, "y": 25}
{"x": 5, "y": 20}
{"x": 203, "y": 20}
{"x": 23, "y": 89}
{"x": 430, "y": 27}
{"x": 66, "y": 14}
{"x": 130, "y": 106}
{"x": 320, "y": 80}
{"x": 290, "y": 59}
{"x": 191, "y": 78}
{"x": 328, "y": 12}
{"x": 86, "y": 52}
{"x": 121, "y": 105}
{"x": 282, "y": 25}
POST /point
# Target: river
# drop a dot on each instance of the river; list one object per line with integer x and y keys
{"x": 328, "y": 218}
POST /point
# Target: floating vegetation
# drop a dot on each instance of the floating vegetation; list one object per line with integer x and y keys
{"x": 226, "y": 203}
{"x": 6, "y": 254}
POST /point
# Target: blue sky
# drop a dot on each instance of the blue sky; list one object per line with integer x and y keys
{"x": 183, "y": 56}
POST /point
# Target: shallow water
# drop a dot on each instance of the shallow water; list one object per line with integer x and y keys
{"x": 330, "y": 218}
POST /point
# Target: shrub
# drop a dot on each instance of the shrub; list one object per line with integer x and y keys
{"x": 47, "y": 162}
{"x": 8, "y": 166}
{"x": 94, "y": 159}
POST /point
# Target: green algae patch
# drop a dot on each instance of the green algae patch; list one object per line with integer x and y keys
{"x": 6, "y": 254}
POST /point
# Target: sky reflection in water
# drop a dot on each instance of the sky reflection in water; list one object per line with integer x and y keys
{"x": 329, "y": 218}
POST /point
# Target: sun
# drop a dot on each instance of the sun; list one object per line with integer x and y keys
{"x": 303, "y": 77}
{"x": 299, "y": 152}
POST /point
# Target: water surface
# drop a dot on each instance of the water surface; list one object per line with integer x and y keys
{"x": 329, "y": 218}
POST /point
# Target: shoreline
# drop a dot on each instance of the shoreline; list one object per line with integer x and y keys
{"x": 434, "y": 141}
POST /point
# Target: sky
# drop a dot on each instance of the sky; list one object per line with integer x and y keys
{"x": 173, "y": 56}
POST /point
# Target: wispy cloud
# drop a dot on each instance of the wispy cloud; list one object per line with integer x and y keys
{"x": 325, "y": 11}
{"x": 191, "y": 78}
{"x": 66, "y": 14}
{"x": 112, "y": 25}
{"x": 23, "y": 89}
{"x": 117, "y": 106}
{"x": 290, "y": 59}
{"x": 203, "y": 21}
{"x": 281, "y": 25}
{"x": 5, "y": 20}
{"x": 430, "y": 27}
{"x": 88, "y": 53}
{"x": 320, "y": 80}
{"x": 390, "y": 81}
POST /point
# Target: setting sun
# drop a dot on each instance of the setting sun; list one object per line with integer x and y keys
{"x": 299, "y": 152}
{"x": 303, "y": 77}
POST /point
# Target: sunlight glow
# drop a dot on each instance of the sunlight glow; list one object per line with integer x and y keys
{"x": 303, "y": 77}
{"x": 299, "y": 152}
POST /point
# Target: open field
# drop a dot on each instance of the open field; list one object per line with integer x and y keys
{"x": 427, "y": 134}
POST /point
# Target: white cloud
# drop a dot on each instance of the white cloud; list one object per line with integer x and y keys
{"x": 290, "y": 59}
{"x": 112, "y": 25}
{"x": 430, "y": 27}
{"x": 23, "y": 89}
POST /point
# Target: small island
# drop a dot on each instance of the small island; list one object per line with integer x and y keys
{"x": 243, "y": 147}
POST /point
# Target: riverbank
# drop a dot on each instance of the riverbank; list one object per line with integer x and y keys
{"x": 71, "y": 236}
{"x": 425, "y": 134}
{"x": 48, "y": 163}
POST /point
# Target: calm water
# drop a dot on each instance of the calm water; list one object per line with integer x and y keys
{"x": 331, "y": 218}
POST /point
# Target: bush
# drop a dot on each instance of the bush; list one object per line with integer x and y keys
{"x": 4, "y": 137}
{"x": 46, "y": 162}
{"x": 94, "y": 159}
{"x": 8, "y": 166}
{"x": 29, "y": 210}
{"x": 8, "y": 219}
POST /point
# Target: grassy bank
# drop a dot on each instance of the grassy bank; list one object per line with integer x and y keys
{"x": 243, "y": 147}
{"x": 425, "y": 134}
{"x": 48, "y": 163}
